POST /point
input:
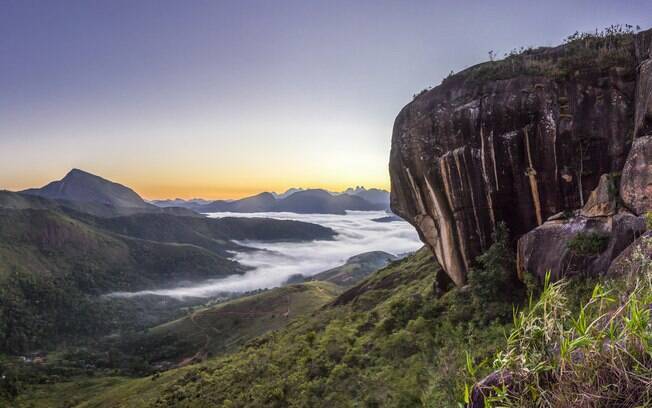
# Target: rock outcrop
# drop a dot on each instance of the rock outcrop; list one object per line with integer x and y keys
{"x": 487, "y": 387}
{"x": 641, "y": 247}
{"x": 579, "y": 245}
{"x": 520, "y": 140}
{"x": 636, "y": 185}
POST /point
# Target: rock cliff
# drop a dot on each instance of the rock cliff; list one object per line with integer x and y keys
{"x": 524, "y": 139}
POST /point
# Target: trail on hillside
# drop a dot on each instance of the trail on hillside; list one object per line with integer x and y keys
{"x": 202, "y": 353}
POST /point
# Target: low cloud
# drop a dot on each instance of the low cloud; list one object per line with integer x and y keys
{"x": 272, "y": 266}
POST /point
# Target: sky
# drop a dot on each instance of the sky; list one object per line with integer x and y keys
{"x": 224, "y": 99}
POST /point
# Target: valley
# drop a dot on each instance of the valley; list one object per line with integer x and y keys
{"x": 180, "y": 287}
{"x": 202, "y": 236}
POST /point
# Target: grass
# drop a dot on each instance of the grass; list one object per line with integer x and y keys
{"x": 83, "y": 392}
{"x": 403, "y": 337}
{"x": 597, "y": 356}
{"x": 223, "y": 328}
{"x": 397, "y": 339}
{"x": 582, "y": 53}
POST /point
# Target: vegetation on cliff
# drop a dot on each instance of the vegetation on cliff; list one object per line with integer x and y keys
{"x": 597, "y": 355}
{"x": 597, "y": 51}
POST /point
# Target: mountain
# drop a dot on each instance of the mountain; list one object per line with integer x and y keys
{"x": 305, "y": 201}
{"x": 53, "y": 265}
{"x": 373, "y": 195}
{"x": 390, "y": 330}
{"x": 262, "y": 202}
{"x": 214, "y": 234}
{"x": 309, "y": 201}
{"x": 288, "y": 192}
{"x": 179, "y": 202}
{"x": 84, "y": 187}
{"x": 322, "y": 202}
{"x": 539, "y": 161}
{"x": 57, "y": 257}
{"x": 355, "y": 269}
{"x": 88, "y": 193}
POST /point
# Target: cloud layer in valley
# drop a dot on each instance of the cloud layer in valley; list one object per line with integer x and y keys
{"x": 276, "y": 262}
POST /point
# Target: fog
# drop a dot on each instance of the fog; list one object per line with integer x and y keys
{"x": 277, "y": 261}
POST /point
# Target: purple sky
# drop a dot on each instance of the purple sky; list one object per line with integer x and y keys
{"x": 223, "y": 99}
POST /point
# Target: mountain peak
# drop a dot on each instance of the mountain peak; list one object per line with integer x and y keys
{"x": 78, "y": 173}
{"x": 75, "y": 171}
{"x": 81, "y": 186}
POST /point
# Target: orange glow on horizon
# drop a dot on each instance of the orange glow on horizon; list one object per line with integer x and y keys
{"x": 189, "y": 187}
{"x": 150, "y": 192}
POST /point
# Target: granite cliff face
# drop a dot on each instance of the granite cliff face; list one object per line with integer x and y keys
{"x": 522, "y": 139}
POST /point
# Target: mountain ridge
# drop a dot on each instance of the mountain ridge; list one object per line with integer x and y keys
{"x": 313, "y": 201}
{"x": 374, "y": 199}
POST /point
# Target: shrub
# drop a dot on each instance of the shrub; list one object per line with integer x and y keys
{"x": 588, "y": 243}
{"x": 599, "y": 356}
{"x": 597, "y": 51}
{"x": 493, "y": 280}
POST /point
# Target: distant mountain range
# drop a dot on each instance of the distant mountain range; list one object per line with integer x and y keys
{"x": 64, "y": 245}
{"x": 179, "y": 202}
{"x": 297, "y": 200}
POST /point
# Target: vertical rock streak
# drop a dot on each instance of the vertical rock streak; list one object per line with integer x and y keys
{"x": 532, "y": 176}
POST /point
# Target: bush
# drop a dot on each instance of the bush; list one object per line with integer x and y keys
{"x": 493, "y": 281}
{"x": 599, "y": 356}
{"x": 597, "y": 51}
{"x": 588, "y": 243}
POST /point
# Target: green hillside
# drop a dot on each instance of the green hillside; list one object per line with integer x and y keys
{"x": 403, "y": 337}
{"x": 393, "y": 340}
{"x": 55, "y": 261}
{"x": 214, "y": 234}
{"x": 355, "y": 269}
{"x": 51, "y": 265}
{"x": 224, "y": 327}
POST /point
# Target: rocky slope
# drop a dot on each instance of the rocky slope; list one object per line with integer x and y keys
{"x": 524, "y": 139}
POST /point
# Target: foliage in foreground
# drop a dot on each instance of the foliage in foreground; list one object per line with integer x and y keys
{"x": 398, "y": 339}
{"x": 600, "y": 356}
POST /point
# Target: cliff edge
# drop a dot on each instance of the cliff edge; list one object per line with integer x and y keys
{"x": 525, "y": 139}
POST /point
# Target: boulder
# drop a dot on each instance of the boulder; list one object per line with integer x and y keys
{"x": 485, "y": 387}
{"x": 602, "y": 201}
{"x": 550, "y": 247}
{"x": 643, "y": 114}
{"x": 636, "y": 252}
{"x": 517, "y": 141}
{"x": 636, "y": 180}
